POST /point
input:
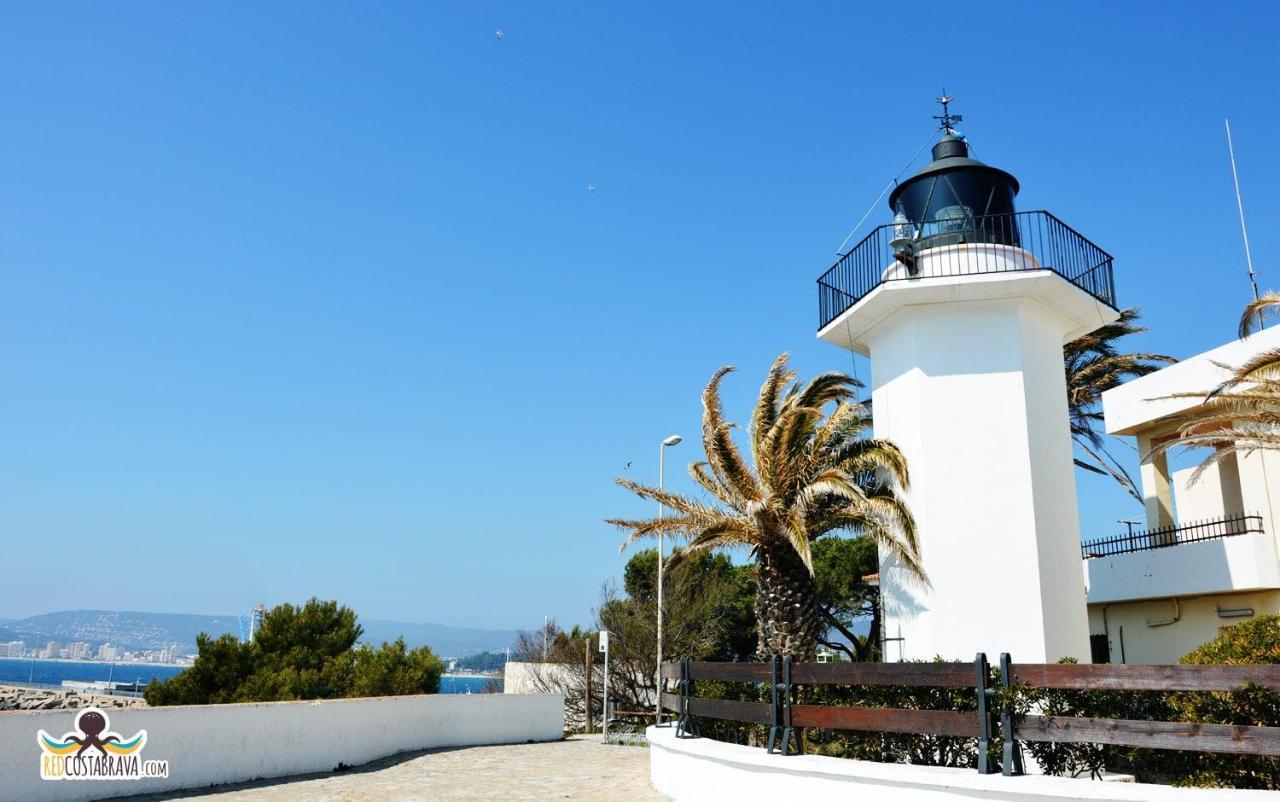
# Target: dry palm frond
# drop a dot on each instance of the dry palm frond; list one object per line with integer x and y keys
{"x": 722, "y": 453}
{"x": 815, "y": 473}
{"x": 1254, "y": 316}
{"x": 1262, "y": 368}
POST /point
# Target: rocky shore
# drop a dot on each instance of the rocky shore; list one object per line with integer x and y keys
{"x": 13, "y": 697}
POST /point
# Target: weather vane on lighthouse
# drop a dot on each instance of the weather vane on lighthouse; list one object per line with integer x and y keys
{"x": 947, "y": 119}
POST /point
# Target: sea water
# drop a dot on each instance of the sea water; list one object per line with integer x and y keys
{"x": 53, "y": 672}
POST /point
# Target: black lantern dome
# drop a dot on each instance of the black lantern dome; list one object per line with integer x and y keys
{"x": 955, "y": 199}
{"x": 954, "y": 186}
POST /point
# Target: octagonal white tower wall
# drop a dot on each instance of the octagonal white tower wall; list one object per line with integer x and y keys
{"x": 968, "y": 380}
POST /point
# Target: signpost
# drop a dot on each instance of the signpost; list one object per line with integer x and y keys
{"x": 604, "y": 647}
{"x": 587, "y": 696}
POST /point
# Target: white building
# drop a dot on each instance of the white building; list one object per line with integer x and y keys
{"x": 1208, "y": 555}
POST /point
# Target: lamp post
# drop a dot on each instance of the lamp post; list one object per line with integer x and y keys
{"x": 662, "y": 452}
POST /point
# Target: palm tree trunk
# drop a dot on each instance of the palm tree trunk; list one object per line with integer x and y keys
{"x": 787, "y": 609}
{"x": 874, "y": 639}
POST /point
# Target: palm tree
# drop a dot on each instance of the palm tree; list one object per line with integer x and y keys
{"x": 1242, "y": 414}
{"x": 813, "y": 473}
{"x": 1095, "y": 365}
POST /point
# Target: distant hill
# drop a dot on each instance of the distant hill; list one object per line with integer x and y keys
{"x": 128, "y": 629}
{"x": 138, "y": 631}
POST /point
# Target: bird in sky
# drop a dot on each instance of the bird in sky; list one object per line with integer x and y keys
{"x": 591, "y": 187}
{"x": 498, "y": 33}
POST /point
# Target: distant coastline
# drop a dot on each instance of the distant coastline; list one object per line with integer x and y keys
{"x": 95, "y": 662}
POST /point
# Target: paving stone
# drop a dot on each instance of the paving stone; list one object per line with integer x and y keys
{"x": 581, "y": 767}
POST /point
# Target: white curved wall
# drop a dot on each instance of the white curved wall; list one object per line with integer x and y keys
{"x": 702, "y": 770}
{"x": 219, "y": 744}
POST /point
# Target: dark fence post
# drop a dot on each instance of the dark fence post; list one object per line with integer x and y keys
{"x": 982, "y": 687}
{"x": 1012, "y": 764}
{"x": 775, "y": 716}
{"x": 786, "y": 705}
{"x": 684, "y": 727}
{"x": 780, "y": 702}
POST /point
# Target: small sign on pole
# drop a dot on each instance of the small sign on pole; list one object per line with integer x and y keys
{"x": 604, "y": 641}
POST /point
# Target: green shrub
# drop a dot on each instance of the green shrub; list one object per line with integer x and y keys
{"x": 1253, "y": 642}
{"x": 306, "y": 652}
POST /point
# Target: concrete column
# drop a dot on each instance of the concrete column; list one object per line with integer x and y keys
{"x": 1229, "y": 485}
{"x": 1259, "y": 474}
{"x": 1154, "y": 474}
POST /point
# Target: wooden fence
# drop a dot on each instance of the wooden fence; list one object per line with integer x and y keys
{"x": 993, "y": 717}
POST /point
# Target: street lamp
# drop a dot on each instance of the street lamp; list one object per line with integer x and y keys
{"x": 662, "y": 452}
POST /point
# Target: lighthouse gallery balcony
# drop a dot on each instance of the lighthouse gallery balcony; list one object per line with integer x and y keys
{"x": 958, "y": 246}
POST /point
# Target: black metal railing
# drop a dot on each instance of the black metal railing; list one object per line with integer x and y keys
{"x": 1035, "y": 240}
{"x": 1166, "y": 536}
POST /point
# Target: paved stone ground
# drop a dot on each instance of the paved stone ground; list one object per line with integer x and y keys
{"x": 582, "y": 767}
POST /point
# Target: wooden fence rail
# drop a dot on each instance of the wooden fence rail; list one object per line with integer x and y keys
{"x": 780, "y": 676}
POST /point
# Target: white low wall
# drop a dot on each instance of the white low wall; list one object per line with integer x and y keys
{"x": 1235, "y": 563}
{"x": 703, "y": 770}
{"x": 219, "y": 744}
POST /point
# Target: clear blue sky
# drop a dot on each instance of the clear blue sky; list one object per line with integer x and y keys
{"x": 312, "y": 298}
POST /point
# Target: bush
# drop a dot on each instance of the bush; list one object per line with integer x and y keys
{"x": 1253, "y": 642}
{"x": 305, "y": 652}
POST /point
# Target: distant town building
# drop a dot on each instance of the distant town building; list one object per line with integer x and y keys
{"x": 14, "y": 648}
{"x": 255, "y": 619}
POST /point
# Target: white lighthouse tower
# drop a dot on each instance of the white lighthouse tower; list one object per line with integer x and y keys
{"x": 963, "y": 305}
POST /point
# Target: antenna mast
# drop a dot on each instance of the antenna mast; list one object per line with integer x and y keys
{"x": 1244, "y": 231}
